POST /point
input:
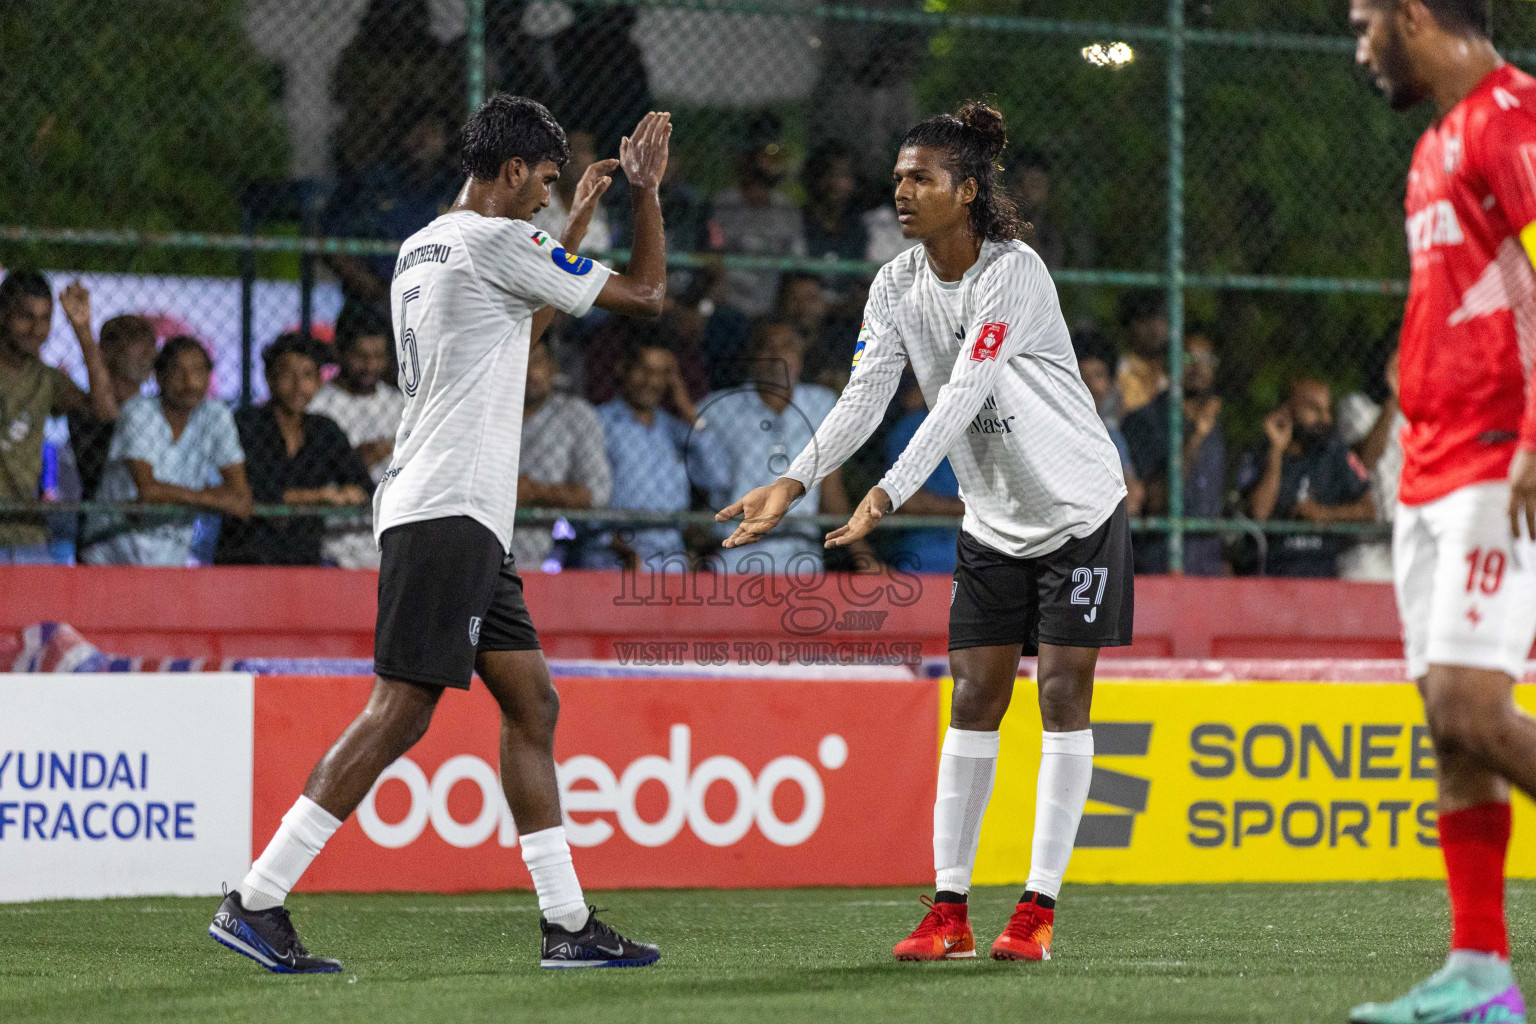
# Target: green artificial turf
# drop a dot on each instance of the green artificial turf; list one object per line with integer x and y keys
{"x": 1123, "y": 953}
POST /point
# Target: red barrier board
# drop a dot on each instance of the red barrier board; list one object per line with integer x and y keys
{"x": 665, "y": 783}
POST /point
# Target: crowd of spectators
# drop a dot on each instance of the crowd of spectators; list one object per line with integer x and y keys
{"x": 681, "y": 414}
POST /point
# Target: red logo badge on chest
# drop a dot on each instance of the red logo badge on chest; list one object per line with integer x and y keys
{"x": 989, "y": 342}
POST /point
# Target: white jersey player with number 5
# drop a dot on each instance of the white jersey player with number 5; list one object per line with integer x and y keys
{"x": 1044, "y": 554}
{"x": 471, "y": 291}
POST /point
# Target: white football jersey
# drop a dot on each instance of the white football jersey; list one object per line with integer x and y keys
{"x": 995, "y": 363}
{"x": 464, "y": 293}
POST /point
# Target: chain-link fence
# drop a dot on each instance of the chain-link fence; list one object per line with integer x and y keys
{"x": 1216, "y": 187}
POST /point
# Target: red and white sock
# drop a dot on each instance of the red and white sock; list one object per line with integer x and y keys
{"x": 1474, "y": 841}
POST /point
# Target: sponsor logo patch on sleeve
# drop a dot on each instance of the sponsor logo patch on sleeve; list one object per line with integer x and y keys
{"x": 570, "y": 262}
{"x": 989, "y": 341}
{"x": 858, "y": 353}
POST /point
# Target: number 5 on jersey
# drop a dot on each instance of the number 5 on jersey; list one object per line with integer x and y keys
{"x": 410, "y": 364}
{"x": 1084, "y": 579}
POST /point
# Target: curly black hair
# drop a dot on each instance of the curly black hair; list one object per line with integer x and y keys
{"x": 507, "y": 126}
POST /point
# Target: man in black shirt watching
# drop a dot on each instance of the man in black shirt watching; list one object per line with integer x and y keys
{"x": 1306, "y": 472}
{"x": 292, "y": 457}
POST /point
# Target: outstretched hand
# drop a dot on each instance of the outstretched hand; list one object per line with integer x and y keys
{"x": 643, "y": 155}
{"x": 760, "y": 510}
{"x": 871, "y": 510}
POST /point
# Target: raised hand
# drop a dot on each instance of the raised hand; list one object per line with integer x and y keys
{"x": 75, "y": 300}
{"x": 1278, "y": 426}
{"x": 643, "y": 155}
{"x": 594, "y": 182}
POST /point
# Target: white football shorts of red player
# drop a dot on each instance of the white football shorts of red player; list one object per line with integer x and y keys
{"x": 1466, "y": 588}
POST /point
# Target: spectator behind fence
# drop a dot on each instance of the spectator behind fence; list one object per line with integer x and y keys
{"x": 1028, "y": 178}
{"x": 1205, "y": 463}
{"x": 393, "y": 64}
{"x": 1375, "y": 432}
{"x": 368, "y": 410}
{"x": 563, "y": 193}
{"x": 128, "y": 350}
{"x": 686, "y": 213}
{"x": 563, "y": 462}
{"x": 753, "y": 219}
{"x": 292, "y": 457}
{"x": 601, "y": 85}
{"x": 167, "y": 449}
{"x": 1097, "y": 362}
{"x": 31, "y": 391}
{"x": 514, "y": 59}
{"x": 928, "y": 549}
{"x": 656, "y": 458}
{"x": 1306, "y": 472}
{"x": 391, "y": 199}
{"x": 834, "y": 224}
{"x": 1143, "y": 370}
{"x": 763, "y": 426}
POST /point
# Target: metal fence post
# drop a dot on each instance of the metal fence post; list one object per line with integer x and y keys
{"x": 474, "y": 38}
{"x": 1176, "y": 286}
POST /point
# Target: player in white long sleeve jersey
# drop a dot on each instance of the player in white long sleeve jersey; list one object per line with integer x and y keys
{"x": 1044, "y": 553}
{"x": 470, "y": 292}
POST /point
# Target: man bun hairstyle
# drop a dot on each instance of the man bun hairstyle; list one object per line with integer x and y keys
{"x": 974, "y": 137}
{"x": 507, "y": 126}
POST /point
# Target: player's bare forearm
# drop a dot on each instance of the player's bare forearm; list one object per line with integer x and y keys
{"x": 642, "y": 289}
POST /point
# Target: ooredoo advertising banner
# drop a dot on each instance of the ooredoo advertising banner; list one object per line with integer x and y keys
{"x": 1226, "y": 782}
{"x": 114, "y": 785}
{"x": 663, "y": 782}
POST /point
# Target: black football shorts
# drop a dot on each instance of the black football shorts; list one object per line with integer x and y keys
{"x": 1080, "y": 595}
{"x": 447, "y": 591}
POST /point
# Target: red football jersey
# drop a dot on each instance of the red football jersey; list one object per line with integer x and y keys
{"x": 1469, "y": 332}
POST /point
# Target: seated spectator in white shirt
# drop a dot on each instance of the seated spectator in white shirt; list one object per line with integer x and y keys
{"x": 166, "y": 450}
{"x": 368, "y": 410}
{"x": 563, "y": 464}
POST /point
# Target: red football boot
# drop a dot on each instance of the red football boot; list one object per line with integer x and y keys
{"x": 1028, "y": 935}
{"x": 944, "y": 934}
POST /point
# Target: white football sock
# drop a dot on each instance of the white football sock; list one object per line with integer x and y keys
{"x": 967, "y": 766}
{"x": 299, "y": 839}
{"x": 1066, "y": 768}
{"x": 554, "y": 878}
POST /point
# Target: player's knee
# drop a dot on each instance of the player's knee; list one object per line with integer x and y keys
{"x": 976, "y": 706}
{"x": 1464, "y": 728}
{"x": 534, "y": 716}
{"x": 1062, "y": 705}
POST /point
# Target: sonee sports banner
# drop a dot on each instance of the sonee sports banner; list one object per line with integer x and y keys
{"x": 1228, "y": 782}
